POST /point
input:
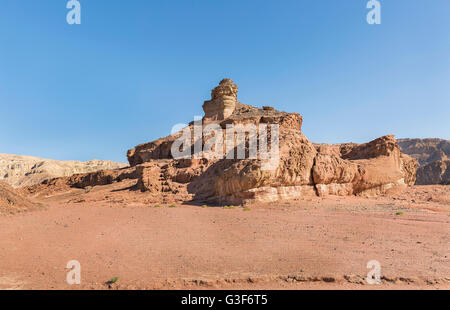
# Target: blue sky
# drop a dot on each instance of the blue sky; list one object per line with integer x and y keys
{"x": 133, "y": 69}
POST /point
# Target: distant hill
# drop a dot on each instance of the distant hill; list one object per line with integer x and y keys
{"x": 18, "y": 170}
{"x": 426, "y": 151}
{"x": 433, "y": 155}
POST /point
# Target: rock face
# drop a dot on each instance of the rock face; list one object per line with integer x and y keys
{"x": 433, "y": 156}
{"x": 20, "y": 171}
{"x": 302, "y": 168}
{"x": 367, "y": 169}
{"x": 437, "y": 172}
{"x": 11, "y": 201}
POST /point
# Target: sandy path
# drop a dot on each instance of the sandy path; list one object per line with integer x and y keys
{"x": 193, "y": 247}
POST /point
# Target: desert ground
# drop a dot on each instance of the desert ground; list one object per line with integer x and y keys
{"x": 309, "y": 243}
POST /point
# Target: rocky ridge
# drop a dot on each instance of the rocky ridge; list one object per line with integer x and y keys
{"x": 433, "y": 156}
{"x": 18, "y": 170}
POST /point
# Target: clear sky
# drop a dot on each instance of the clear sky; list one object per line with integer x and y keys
{"x": 135, "y": 68}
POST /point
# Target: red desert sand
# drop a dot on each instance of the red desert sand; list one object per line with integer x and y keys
{"x": 309, "y": 243}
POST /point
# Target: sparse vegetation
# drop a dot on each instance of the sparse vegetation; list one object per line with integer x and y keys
{"x": 157, "y": 206}
{"x": 113, "y": 280}
{"x": 229, "y": 207}
{"x": 172, "y": 206}
{"x": 399, "y": 213}
{"x": 247, "y": 209}
{"x": 205, "y": 206}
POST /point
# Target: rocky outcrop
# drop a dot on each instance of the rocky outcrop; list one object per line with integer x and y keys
{"x": 20, "y": 171}
{"x": 299, "y": 168}
{"x": 367, "y": 169}
{"x": 302, "y": 169}
{"x": 223, "y": 101}
{"x": 11, "y": 201}
{"x": 242, "y": 114}
{"x": 83, "y": 180}
{"x": 437, "y": 172}
{"x": 433, "y": 156}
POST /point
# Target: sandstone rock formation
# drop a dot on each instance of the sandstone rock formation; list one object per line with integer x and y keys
{"x": 11, "y": 201}
{"x": 303, "y": 169}
{"x": 20, "y": 171}
{"x": 433, "y": 156}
